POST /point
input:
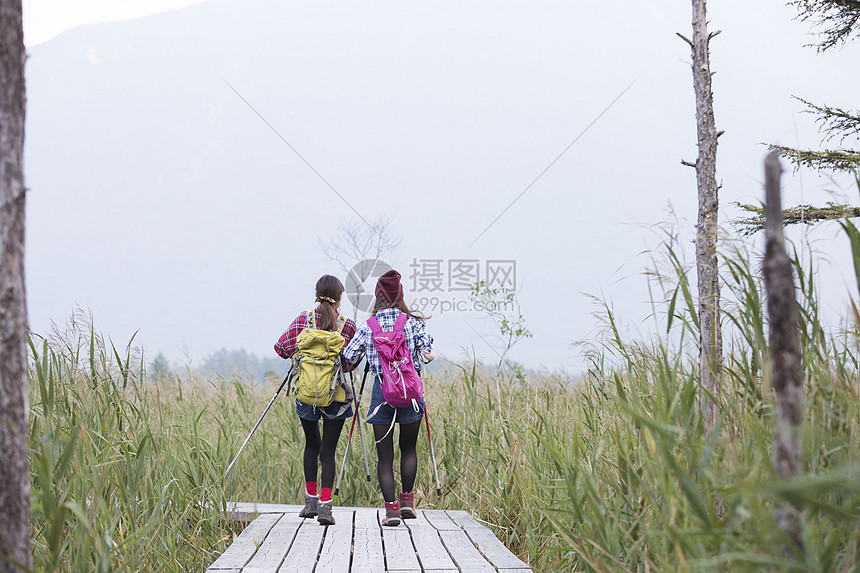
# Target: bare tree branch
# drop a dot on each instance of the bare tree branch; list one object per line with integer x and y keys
{"x": 357, "y": 241}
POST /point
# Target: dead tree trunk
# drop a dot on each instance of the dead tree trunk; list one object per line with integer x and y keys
{"x": 710, "y": 335}
{"x": 784, "y": 341}
{"x": 14, "y": 482}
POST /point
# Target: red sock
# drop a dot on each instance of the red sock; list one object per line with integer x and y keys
{"x": 326, "y": 494}
{"x": 311, "y": 487}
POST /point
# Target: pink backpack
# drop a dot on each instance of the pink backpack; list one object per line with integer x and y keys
{"x": 401, "y": 385}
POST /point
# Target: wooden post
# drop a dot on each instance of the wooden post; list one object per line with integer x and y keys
{"x": 784, "y": 340}
{"x": 14, "y": 481}
{"x": 707, "y": 264}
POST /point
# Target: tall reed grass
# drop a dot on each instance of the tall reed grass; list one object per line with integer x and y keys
{"x": 614, "y": 472}
{"x": 643, "y": 486}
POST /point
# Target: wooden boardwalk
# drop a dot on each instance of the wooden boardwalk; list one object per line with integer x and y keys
{"x": 278, "y": 540}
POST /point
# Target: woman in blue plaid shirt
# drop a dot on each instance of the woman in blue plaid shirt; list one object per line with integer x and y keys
{"x": 388, "y": 306}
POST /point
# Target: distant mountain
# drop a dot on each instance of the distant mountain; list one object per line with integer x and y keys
{"x": 161, "y": 201}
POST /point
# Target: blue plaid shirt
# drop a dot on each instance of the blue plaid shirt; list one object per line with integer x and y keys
{"x": 417, "y": 340}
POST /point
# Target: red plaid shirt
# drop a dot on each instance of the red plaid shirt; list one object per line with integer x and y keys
{"x": 286, "y": 344}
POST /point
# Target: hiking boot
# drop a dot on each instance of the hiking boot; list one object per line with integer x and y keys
{"x": 311, "y": 508}
{"x": 407, "y": 505}
{"x": 392, "y": 514}
{"x": 325, "y": 517}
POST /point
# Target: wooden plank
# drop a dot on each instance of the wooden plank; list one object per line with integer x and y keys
{"x": 399, "y": 551}
{"x": 464, "y": 520}
{"x": 247, "y": 511}
{"x": 465, "y": 554}
{"x": 337, "y": 547}
{"x": 419, "y": 521}
{"x": 494, "y": 550}
{"x": 305, "y": 549}
{"x": 366, "y": 518}
{"x": 431, "y": 552}
{"x": 486, "y": 542}
{"x": 440, "y": 520}
{"x": 367, "y": 554}
{"x": 246, "y": 543}
{"x": 271, "y": 553}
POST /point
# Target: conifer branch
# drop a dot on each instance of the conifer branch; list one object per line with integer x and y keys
{"x": 838, "y": 19}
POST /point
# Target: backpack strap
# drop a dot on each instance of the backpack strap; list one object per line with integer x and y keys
{"x": 312, "y": 322}
{"x": 374, "y": 325}
{"x": 401, "y": 321}
{"x": 340, "y": 375}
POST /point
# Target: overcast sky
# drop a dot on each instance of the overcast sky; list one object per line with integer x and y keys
{"x": 44, "y": 19}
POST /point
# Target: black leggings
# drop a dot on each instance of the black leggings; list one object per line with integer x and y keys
{"x": 385, "y": 454}
{"x": 321, "y": 450}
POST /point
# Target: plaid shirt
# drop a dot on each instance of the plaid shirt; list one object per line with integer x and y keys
{"x": 286, "y": 345}
{"x": 417, "y": 340}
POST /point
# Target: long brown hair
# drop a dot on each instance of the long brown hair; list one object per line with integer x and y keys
{"x": 328, "y": 287}
{"x": 400, "y": 305}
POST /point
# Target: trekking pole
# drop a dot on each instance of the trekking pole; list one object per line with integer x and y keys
{"x": 360, "y": 426}
{"x": 349, "y": 438}
{"x": 272, "y": 401}
{"x": 432, "y": 452}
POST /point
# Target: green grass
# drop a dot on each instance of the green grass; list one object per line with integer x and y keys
{"x": 613, "y": 472}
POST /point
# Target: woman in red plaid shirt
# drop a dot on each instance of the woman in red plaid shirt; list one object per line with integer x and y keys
{"x": 328, "y": 294}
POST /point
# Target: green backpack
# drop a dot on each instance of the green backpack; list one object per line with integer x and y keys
{"x": 318, "y": 373}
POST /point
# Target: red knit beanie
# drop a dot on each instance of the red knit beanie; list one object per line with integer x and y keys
{"x": 388, "y": 287}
